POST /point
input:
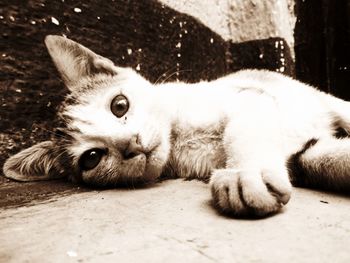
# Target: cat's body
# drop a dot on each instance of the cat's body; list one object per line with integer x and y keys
{"x": 199, "y": 114}
{"x": 206, "y": 108}
{"x": 240, "y": 130}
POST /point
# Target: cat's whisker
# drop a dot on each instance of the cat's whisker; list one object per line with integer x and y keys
{"x": 65, "y": 151}
{"x": 174, "y": 73}
{"x": 71, "y": 97}
{"x": 55, "y": 134}
{"x": 164, "y": 75}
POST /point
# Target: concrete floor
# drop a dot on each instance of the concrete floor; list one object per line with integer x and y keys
{"x": 172, "y": 221}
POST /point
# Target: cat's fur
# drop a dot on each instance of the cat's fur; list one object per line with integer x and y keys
{"x": 239, "y": 131}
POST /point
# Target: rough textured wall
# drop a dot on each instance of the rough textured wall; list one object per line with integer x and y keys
{"x": 159, "y": 41}
{"x": 239, "y": 21}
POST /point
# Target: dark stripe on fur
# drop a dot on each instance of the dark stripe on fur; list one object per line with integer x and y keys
{"x": 339, "y": 132}
{"x": 297, "y": 173}
{"x": 338, "y": 127}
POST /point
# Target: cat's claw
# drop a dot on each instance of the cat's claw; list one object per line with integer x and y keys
{"x": 250, "y": 192}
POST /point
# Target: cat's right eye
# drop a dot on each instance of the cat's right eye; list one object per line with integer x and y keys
{"x": 120, "y": 106}
{"x": 90, "y": 159}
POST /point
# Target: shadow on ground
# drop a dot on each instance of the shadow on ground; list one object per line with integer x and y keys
{"x": 16, "y": 194}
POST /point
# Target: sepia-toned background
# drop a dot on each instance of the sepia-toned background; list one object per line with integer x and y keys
{"x": 165, "y": 40}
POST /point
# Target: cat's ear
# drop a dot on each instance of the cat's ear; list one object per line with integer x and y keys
{"x": 74, "y": 61}
{"x": 39, "y": 162}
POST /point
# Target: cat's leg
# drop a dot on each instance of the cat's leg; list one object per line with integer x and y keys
{"x": 324, "y": 164}
{"x": 255, "y": 180}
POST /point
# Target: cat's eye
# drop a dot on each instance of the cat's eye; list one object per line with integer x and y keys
{"x": 91, "y": 158}
{"x": 120, "y": 106}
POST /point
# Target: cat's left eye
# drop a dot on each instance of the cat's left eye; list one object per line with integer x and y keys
{"x": 91, "y": 158}
{"x": 120, "y": 106}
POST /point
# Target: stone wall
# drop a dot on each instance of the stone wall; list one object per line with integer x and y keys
{"x": 240, "y": 21}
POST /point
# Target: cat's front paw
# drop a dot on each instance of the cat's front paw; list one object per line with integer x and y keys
{"x": 250, "y": 192}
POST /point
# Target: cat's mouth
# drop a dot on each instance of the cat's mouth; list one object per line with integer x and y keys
{"x": 149, "y": 152}
{"x": 142, "y": 168}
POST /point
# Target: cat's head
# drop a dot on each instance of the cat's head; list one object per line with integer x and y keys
{"x": 113, "y": 132}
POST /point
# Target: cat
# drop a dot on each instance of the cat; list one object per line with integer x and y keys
{"x": 246, "y": 133}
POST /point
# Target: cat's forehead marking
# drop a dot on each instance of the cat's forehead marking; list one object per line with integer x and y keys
{"x": 98, "y": 84}
{"x": 89, "y": 86}
{"x": 93, "y": 118}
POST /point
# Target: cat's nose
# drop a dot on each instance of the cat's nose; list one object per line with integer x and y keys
{"x": 134, "y": 148}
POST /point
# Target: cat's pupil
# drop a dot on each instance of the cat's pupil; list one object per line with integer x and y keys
{"x": 90, "y": 159}
{"x": 120, "y": 106}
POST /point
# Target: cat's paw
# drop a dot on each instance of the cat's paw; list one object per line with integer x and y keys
{"x": 250, "y": 192}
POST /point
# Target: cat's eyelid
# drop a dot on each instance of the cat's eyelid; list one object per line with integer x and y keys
{"x": 89, "y": 142}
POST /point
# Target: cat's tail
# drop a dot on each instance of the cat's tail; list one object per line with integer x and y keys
{"x": 322, "y": 164}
